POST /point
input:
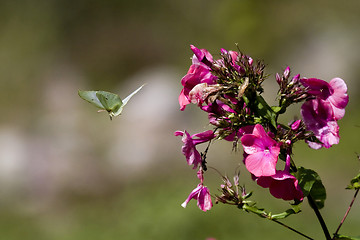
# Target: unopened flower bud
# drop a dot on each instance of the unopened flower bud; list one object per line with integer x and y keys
{"x": 295, "y": 126}
{"x": 278, "y": 79}
{"x": 287, "y": 73}
{"x": 295, "y": 79}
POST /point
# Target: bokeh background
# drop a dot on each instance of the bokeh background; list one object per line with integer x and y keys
{"x": 67, "y": 172}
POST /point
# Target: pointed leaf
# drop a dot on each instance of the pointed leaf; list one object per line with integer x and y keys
{"x": 354, "y": 183}
{"x": 311, "y": 184}
{"x": 343, "y": 237}
{"x": 265, "y": 111}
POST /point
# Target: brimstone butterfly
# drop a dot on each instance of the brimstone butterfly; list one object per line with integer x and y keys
{"x": 107, "y": 101}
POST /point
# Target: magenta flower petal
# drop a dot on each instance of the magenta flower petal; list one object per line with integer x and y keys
{"x": 198, "y": 73}
{"x": 317, "y": 87}
{"x": 335, "y": 93}
{"x": 282, "y": 185}
{"x": 203, "y": 137}
{"x": 193, "y": 195}
{"x": 339, "y": 99}
{"x": 192, "y": 155}
{"x": 201, "y": 55}
{"x": 183, "y": 100}
{"x": 203, "y": 197}
{"x": 318, "y": 119}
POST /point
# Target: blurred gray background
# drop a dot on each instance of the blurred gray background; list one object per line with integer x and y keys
{"x": 68, "y": 172}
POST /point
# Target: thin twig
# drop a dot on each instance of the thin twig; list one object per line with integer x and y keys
{"x": 292, "y": 229}
{"x": 347, "y": 212}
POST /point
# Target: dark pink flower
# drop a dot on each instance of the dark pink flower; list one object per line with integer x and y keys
{"x": 190, "y": 141}
{"x": 202, "y": 195}
{"x": 334, "y": 92}
{"x": 197, "y": 74}
{"x": 201, "y": 55}
{"x": 261, "y": 152}
{"x": 282, "y": 184}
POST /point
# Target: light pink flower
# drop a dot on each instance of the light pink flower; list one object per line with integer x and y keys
{"x": 321, "y": 113}
{"x": 190, "y": 141}
{"x": 202, "y": 195}
{"x": 261, "y": 152}
{"x": 318, "y": 118}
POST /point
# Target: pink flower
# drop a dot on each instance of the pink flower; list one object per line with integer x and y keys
{"x": 318, "y": 118}
{"x": 261, "y": 152}
{"x": 321, "y": 113}
{"x": 189, "y": 149}
{"x": 201, "y": 55}
{"x": 202, "y": 195}
{"x": 334, "y": 92}
{"x": 198, "y": 73}
{"x": 282, "y": 184}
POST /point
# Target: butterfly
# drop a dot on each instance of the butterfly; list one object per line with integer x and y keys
{"x": 107, "y": 101}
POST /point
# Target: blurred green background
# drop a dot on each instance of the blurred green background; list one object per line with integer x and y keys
{"x": 69, "y": 173}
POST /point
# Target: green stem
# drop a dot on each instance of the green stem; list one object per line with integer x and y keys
{"x": 292, "y": 229}
{"x": 347, "y": 212}
{"x": 320, "y": 218}
{"x": 263, "y": 214}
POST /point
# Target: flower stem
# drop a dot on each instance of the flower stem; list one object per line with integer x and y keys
{"x": 320, "y": 218}
{"x": 347, "y": 212}
{"x": 263, "y": 214}
{"x": 292, "y": 229}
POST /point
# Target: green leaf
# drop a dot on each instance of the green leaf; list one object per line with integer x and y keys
{"x": 311, "y": 184}
{"x": 343, "y": 237}
{"x": 354, "y": 183}
{"x": 264, "y": 110}
{"x": 283, "y": 214}
{"x": 107, "y": 101}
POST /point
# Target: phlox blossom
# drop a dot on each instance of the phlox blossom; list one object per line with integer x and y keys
{"x": 261, "y": 152}
{"x": 334, "y": 92}
{"x": 192, "y": 155}
{"x": 199, "y": 72}
{"x": 282, "y": 184}
{"x": 321, "y": 113}
{"x": 202, "y": 195}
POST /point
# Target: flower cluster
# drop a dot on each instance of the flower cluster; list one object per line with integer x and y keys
{"x": 229, "y": 90}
